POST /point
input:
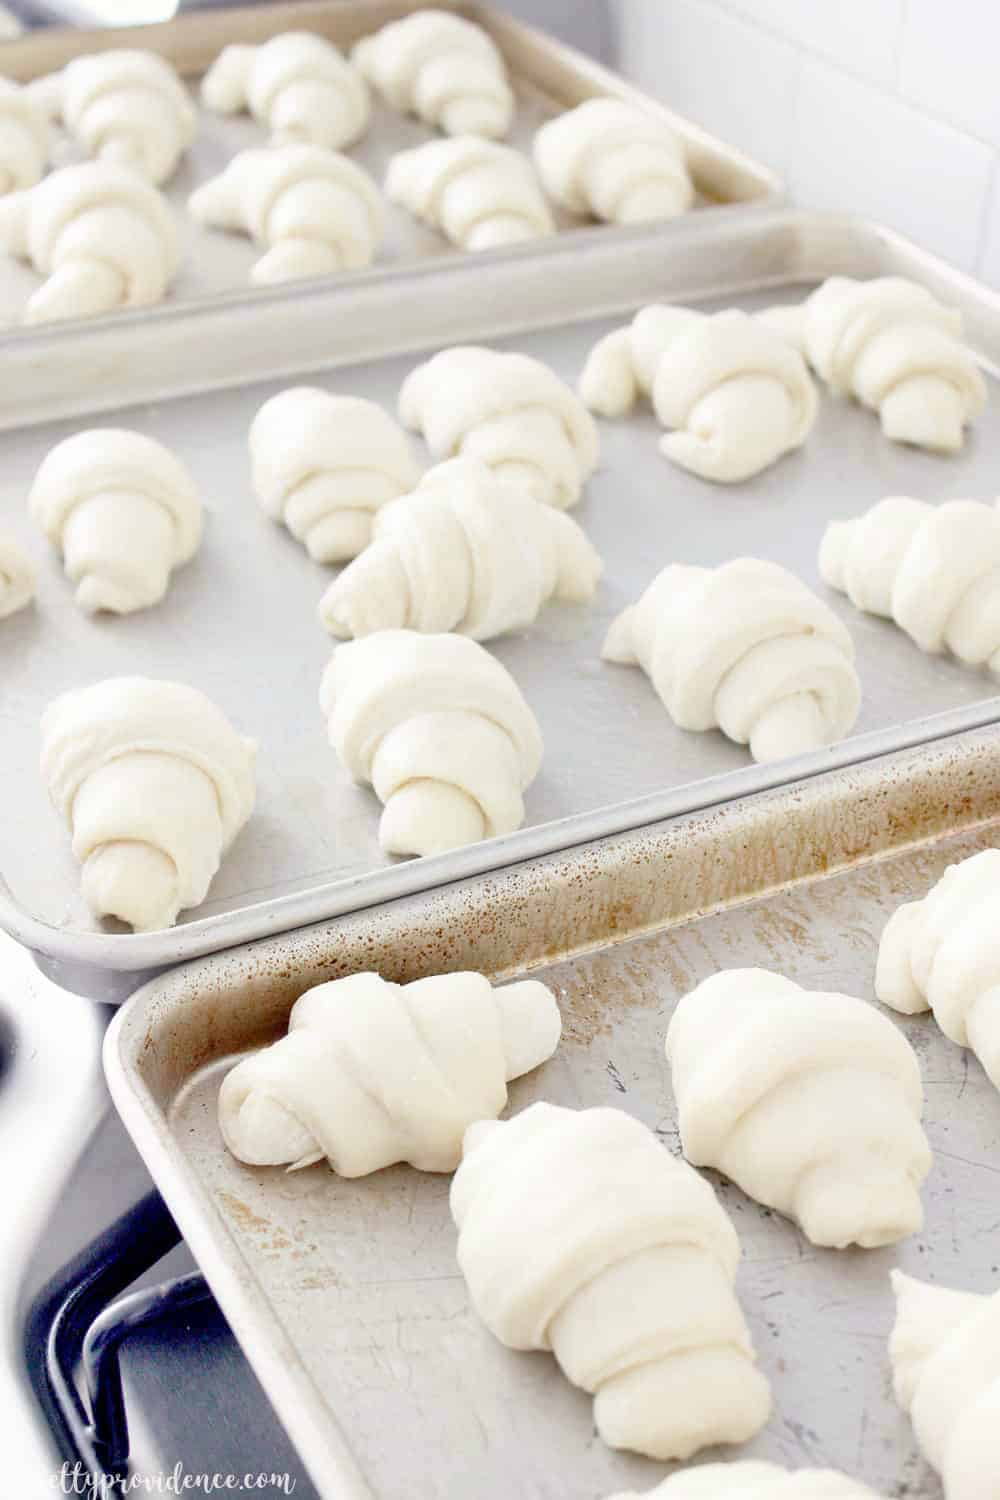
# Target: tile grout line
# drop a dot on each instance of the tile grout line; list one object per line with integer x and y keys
{"x": 793, "y": 123}
{"x": 904, "y": 21}
{"x": 986, "y": 213}
{"x": 890, "y": 91}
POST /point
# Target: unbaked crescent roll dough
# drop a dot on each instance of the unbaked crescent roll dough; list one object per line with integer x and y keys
{"x": 24, "y": 138}
{"x": 324, "y": 464}
{"x": 480, "y": 195}
{"x": 945, "y": 1353}
{"x": 154, "y": 784}
{"x": 810, "y": 1102}
{"x": 894, "y": 347}
{"x": 735, "y": 393}
{"x": 126, "y": 106}
{"x": 373, "y": 1073}
{"x": 465, "y": 551}
{"x": 296, "y": 85}
{"x": 508, "y": 410}
{"x": 102, "y": 235}
{"x": 935, "y": 570}
{"x": 123, "y": 512}
{"x": 17, "y": 577}
{"x": 614, "y": 161}
{"x": 745, "y": 648}
{"x": 751, "y": 1480}
{"x": 314, "y": 211}
{"x": 446, "y": 70}
{"x": 580, "y": 1233}
{"x": 441, "y": 732}
{"x": 943, "y": 954}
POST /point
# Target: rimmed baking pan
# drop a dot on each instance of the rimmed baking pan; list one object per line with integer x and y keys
{"x": 548, "y": 77}
{"x": 240, "y": 622}
{"x": 346, "y": 1295}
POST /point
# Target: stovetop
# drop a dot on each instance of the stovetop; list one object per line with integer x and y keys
{"x": 66, "y": 1163}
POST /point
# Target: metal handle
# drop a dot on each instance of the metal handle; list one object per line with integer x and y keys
{"x": 82, "y": 1318}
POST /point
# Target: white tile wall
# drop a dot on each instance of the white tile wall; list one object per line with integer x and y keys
{"x": 700, "y": 59}
{"x": 862, "y": 35}
{"x": 860, "y": 148}
{"x": 948, "y": 62}
{"x": 888, "y": 108}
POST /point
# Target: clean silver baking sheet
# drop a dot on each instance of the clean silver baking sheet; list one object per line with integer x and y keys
{"x": 213, "y": 262}
{"x": 547, "y": 77}
{"x": 346, "y": 1294}
{"x": 240, "y": 623}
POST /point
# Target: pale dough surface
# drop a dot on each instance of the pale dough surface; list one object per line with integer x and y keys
{"x": 123, "y": 512}
{"x": 102, "y": 236}
{"x": 17, "y": 577}
{"x": 297, "y": 85}
{"x": 25, "y": 138}
{"x": 945, "y": 1354}
{"x": 811, "y": 1102}
{"x": 934, "y": 570}
{"x": 466, "y": 551}
{"x": 614, "y": 161}
{"x": 735, "y": 395}
{"x": 746, "y": 648}
{"x": 896, "y": 349}
{"x": 943, "y": 954}
{"x": 580, "y": 1233}
{"x": 324, "y": 464}
{"x": 477, "y": 193}
{"x": 755, "y": 1481}
{"x": 373, "y": 1073}
{"x": 508, "y": 410}
{"x": 154, "y": 784}
{"x": 313, "y": 211}
{"x": 126, "y": 106}
{"x": 440, "y": 731}
{"x": 443, "y": 68}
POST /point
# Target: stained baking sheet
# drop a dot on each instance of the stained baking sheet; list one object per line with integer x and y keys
{"x": 547, "y": 78}
{"x": 346, "y": 1294}
{"x": 240, "y": 623}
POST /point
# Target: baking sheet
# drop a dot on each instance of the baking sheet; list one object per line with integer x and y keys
{"x": 346, "y": 1295}
{"x": 214, "y": 262}
{"x": 239, "y": 622}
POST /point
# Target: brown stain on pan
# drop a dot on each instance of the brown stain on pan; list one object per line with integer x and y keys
{"x": 271, "y": 1240}
{"x": 242, "y": 1214}
{"x": 567, "y": 906}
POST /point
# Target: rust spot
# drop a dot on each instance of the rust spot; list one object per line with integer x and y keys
{"x": 318, "y": 1281}
{"x": 242, "y": 1214}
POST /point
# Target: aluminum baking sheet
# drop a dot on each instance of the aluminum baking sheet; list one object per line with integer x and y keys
{"x": 240, "y": 623}
{"x": 547, "y": 78}
{"x": 346, "y": 1295}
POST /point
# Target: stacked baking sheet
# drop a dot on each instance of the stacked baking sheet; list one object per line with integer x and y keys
{"x": 649, "y": 857}
{"x": 547, "y": 78}
{"x": 240, "y": 622}
{"x": 346, "y": 1295}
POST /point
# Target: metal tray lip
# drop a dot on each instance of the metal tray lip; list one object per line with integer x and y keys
{"x": 574, "y": 242}
{"x": 773, "y": 194}
{"x": 576, "y": 245}
{"x": 137, "y": 952}
{"x": 318, "y": 1439}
